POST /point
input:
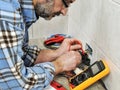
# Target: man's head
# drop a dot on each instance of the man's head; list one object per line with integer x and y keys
{"x": 50, "y": 8}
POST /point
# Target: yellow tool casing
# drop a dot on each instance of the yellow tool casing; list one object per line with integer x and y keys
{"x": 92, "y": 79}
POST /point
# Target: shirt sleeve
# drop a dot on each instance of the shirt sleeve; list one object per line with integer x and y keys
{"x": 30, "y": 52}
{"x": 14, "y": 74}
{"x": 30, "y": 55}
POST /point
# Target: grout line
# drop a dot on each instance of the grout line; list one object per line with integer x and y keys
{"x": 116, "y": 2}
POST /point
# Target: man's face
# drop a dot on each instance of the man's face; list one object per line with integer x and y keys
{"x": 50, "y": 8}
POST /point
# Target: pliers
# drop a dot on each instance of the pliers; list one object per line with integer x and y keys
{"x": 54, "y": 39}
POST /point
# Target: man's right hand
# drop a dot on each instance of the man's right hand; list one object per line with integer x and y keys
{"x": 69, "y": 44}
{"x": 67, "y": 61}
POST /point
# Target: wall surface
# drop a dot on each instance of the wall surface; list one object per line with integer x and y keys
{"x": 97, "y": 22}
{"x": 43, "y": 28}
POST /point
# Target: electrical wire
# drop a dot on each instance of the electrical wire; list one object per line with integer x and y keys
{"x": 103, "y": 84}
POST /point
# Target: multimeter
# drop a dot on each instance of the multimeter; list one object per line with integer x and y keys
{"x": 93, "y": 73}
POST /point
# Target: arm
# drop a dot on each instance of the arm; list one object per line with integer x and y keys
{"x": 47, "y": 55}
{"x": 14, "y": 74}
{"x": 69, "y": 44}
{"x": 65, "y": 58}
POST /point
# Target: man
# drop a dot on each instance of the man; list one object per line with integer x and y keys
{"x": 24, "y": 67}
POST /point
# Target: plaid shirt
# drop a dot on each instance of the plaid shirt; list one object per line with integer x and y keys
{"x": 17, "y": 69}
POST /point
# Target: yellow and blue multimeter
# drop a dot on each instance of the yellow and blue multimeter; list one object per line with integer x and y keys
{"x": 93, "y": 73}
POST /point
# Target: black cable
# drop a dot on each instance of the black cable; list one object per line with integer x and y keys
{"x": 65, "y": 3}
{"x": 103, "y": 84}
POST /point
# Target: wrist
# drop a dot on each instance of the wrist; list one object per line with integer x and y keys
{"x": 58, "y": 52}
{"x": 58, "y": 66}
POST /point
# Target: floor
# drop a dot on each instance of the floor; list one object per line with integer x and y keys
{"x": 62, "y": 80}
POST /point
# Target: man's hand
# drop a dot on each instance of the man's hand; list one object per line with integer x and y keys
{"x": 69, "y": 44}
{"x": 67, "y": 61}
{"x": 47, "y": 55}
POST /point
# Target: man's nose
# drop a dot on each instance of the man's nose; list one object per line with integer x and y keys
{"x": 64, "y": 11}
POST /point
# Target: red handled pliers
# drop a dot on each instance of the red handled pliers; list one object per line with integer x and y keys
{"x": 58, "y": 38}
{"x": 55, "y": 39}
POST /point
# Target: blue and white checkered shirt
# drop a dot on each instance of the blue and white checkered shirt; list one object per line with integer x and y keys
{"x": 17, "y": 69}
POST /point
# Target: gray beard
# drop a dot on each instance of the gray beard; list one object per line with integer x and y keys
{"x": 45, "y": 10}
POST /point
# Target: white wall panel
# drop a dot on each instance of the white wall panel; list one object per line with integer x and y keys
{"x": 86, "y": 17}
{"x": 97, "y": 22}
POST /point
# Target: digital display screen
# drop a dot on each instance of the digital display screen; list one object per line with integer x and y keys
{"x": 95, "y": 69}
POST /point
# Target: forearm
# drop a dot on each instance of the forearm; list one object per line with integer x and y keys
{"x": 47, "y": 55}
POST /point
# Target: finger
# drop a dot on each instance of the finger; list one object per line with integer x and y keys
{"x": 75, "y": 47}
{"x": 75, "y": 41}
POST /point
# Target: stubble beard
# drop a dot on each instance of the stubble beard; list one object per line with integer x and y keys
{"x": 45, "y": 10}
